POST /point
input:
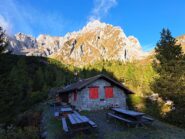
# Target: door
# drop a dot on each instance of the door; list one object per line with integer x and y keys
{"x": 65, "y": 98}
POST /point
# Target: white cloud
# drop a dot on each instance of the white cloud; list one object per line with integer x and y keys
{"x": 14, "y": 14}
{"x": 5, "y": 24}
{"x": 26, "y": 18}
{"x": 101, "y": 9}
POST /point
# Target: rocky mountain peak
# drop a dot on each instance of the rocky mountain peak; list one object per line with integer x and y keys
{"x": 93, "y": 26}
{"x": 135, "y": 41}
{"x": 95, "y": 41}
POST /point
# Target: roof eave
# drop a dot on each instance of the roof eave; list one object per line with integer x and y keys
{"x": 128, "y": 91}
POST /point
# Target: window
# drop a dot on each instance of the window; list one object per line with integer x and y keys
{"x": 93, "y": 93}
{"x": 75, "y": 96}
{"x": 108, "y": 92}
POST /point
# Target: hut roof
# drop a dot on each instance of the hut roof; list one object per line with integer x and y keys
{"x": 82, "y": 83}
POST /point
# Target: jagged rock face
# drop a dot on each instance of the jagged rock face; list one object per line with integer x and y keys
{"x": 94, "y": 42}
{"x": 44, "y": 45}
{"x": 20, "y": 43}
{"x": 98, "y": 41}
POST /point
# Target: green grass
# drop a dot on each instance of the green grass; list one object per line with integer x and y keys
{"x": 54, "y": 129}
{"x": 157, "y": 131}
{"x": 52, "y": 125}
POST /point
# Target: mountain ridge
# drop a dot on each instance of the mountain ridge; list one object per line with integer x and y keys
{"x": 95, "y": 41}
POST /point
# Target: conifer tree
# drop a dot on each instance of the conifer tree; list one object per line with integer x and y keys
{"x": 170, "y": 65}
{"x": 3, "y": 41}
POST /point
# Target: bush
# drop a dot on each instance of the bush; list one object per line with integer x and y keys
{"x": 18, "y": 133}
{"x": 156, "y": 110}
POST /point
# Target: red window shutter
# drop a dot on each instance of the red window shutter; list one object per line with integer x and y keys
{"x": 108, "y": 92}
{"x": 75, "y": 96}
{"x": 93, "y": 93}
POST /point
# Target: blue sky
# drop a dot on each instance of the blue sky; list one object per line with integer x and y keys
{"x": 143, "y": 19}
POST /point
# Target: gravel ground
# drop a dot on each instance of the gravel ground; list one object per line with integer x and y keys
{"x": 110, "y": 129}
{"x": 113, "y": 129}
{"x": 104, "y": 125}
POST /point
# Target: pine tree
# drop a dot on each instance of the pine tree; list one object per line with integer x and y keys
{"x": 170, "y": 84}
{"x": 170, "y": 65}
{"x": 39, "y": 79}
{"x": 3, "y": 41}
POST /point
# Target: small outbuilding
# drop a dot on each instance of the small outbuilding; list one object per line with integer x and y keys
{"x": 95, "y": 93}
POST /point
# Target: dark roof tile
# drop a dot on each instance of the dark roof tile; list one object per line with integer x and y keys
{"x": 82, "y": 83}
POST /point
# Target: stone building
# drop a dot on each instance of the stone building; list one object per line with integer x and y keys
{"x": 94, "y": 93}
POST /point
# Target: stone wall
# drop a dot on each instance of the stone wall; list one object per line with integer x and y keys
{"x": 78, "y": 101}
{"x": 83, "y": 101}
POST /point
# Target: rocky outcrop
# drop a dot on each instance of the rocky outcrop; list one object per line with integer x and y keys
{"x": 43, "y": 45}
{"x": 20, "y": 43}
{"x": 181, "y": 41}
{"x": 94, "y": 42}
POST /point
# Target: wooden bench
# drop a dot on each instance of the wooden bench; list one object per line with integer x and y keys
{"x": 64, "y": 125}
{"x": 147, "y": 120}
{"x": 84, "y": 118}
{"x": 90, "y": 122}
{"x": 128, "y": 122}
{"x": 75, "y": 112}
{"x": 73, "y": 121}
{"x": 56, "y": 114}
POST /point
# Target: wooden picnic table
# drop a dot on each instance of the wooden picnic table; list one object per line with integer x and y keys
{"x": 128, "y": 112}
{"x": 77, "y": 119}
{"x": 130, "y": 117}
{"x": 76, "y": 122}
{"x": 64, "y": 110}
{"x": 133, "y": 116}
{"x": 79, "y": 123}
